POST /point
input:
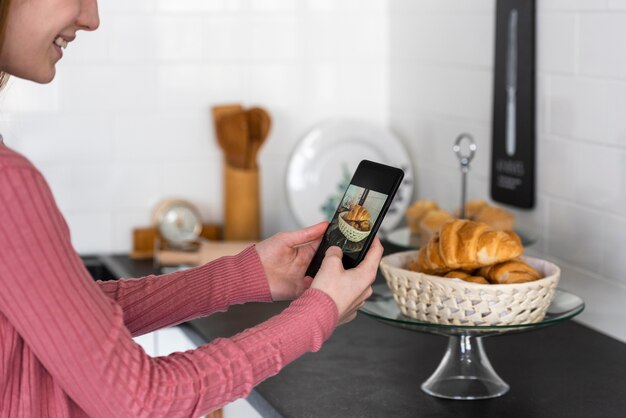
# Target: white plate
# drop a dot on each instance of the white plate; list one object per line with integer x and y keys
{"x": 324, "y": 161}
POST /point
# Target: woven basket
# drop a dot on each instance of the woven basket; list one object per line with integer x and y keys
{"x": 447, "y": 301}
{"x": 351, "y": 233}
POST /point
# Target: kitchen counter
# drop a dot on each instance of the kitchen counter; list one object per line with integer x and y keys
{"x": 370, "y": 369}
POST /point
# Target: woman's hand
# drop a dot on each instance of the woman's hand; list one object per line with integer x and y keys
{"x": 348, "y": 288}
{"x": 285, "y": 258}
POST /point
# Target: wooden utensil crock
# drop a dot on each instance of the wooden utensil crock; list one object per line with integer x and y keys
{"x": 240, "y": 134}
{"x": 242, "y": 204}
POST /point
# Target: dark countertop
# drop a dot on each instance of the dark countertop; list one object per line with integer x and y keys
{"x": 370, "y": 369}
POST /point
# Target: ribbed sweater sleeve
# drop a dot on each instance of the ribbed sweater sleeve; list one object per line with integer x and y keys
{"x": 155, "y": 302}
{"x": 78, "y": 334}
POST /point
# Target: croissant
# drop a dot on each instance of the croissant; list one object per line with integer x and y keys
{"x": 468, "y": 277}
{"x": 431, "y": 223}
{"x": 480, "y": 211}
{"x": 416, "y": 212}
{"x": 508, "y": 272}
{"x": 358, "y": 214}
{"x": 466, "y": 245}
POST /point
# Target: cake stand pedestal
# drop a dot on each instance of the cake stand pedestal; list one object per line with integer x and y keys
{"x": 465, "y": 372}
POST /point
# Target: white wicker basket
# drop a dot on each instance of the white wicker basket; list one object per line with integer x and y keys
{"x": 351, "y": 233}
{"x": 447, "y": 301}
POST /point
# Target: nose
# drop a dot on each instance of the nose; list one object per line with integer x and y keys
{"x": 88, "y": 19}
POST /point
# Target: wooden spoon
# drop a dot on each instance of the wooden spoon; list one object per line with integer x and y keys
{"x": 259, "y": 123}
{"x": 218, "y": 112}
{"x": 233, "y": 130}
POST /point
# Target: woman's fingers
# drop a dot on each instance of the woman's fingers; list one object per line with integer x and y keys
{"x": 304, "y": 235}
{"x": 372, "y": 258}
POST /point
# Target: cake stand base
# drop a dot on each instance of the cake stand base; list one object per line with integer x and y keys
{"x": 465, "y": 372}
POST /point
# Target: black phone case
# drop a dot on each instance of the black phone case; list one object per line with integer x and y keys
{"x": 371, "y": 175}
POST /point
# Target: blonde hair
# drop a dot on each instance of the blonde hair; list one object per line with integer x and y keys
{"x": 4, "y": 19}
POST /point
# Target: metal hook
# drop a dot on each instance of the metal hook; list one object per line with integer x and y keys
{"x": 464, "y": 159}
{"x": 465, "y": 162}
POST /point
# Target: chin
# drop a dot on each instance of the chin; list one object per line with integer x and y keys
{"x": 46, "y": 78}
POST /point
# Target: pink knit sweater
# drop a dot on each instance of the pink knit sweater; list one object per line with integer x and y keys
{"x": 66, "y": 347}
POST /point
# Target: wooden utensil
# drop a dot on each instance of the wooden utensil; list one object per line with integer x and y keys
{"x": 233, "y": 130}
{"x": 259, "y": 123}
{"x": 218, "y": 112}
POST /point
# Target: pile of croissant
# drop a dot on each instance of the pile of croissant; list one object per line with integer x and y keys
{"x": 425, "y": 217}
{"x": 359, "y": 218}
{"x": 474, "y": 252}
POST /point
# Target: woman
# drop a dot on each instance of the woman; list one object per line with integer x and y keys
{"x": 66, "y": 347}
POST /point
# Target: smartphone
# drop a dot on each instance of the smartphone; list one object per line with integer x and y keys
{"x": 359, "y": 214}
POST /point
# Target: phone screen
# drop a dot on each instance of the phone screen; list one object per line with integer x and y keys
{"x": 354, "y": 219}
{"x": 360, "y": 213}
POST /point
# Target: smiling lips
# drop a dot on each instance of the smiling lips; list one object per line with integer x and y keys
{"x": 60, "y": 42}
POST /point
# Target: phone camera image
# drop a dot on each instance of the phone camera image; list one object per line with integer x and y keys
{"x": 359, "y": 213}
{"x": 354, "y": 219}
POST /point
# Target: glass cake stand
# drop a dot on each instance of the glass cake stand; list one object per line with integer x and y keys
{"x": 465, "y": 372}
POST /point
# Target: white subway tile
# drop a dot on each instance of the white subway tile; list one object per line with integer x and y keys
{"x": 92, "y": 187}
{"x": 123, "y": 223}
{"x": 450, "y": 6}
{"x": 90, "y": 230}
{"x": 59, "y": 178}
{"x": 556, "y": 46}
{"x": 88, "y": 48}
{"x": 600, "y": 48}
{"x": 200, "y": 86}
{"x": 604, "y": 300}
{"x": 601, "y": 177}
{"x": 109, "y": 88}
{"x": 199, "y": 182}
{"x": 273, "y": 38}
{"x": 532, "y": 224}
{"x": 449, "y": 91}
{"x": 542, "y": 95}
{"x": 617, "y": 4}
{"x": 354, "y": 6}
{"x": 575, "y": 235}
{"x": 277, "y": 85}
{"x": 108, "y": 6}
{"x": 557, "y": 166}
{"x": 21, "y": 96}
{"x": 164, "y": 136}
{"x": 135, "y": 185}
{"x": 339, "y": 36}
{"x": 227, "y": 38}
{"x": 444, "y": 39}
{"x": 320, "y": 5}
{"x": 616, "y": 114}
{"x": 179, "y": 38}
{"x": 578, "y": 108}
{"x": 614, "y": 249}
{"x": 201, "y": 5}
{"x": 133, "y": 39}
{"x": 66, "y": 137}
{"x": 571, "y": 5}
{"x": 273, "y": 6}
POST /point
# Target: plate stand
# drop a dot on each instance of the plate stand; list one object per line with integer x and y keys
{"x": 465, "y": 372}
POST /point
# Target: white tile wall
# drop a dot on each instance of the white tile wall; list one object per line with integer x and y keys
{"x": 127, "y": 123}
{"x": 441, "y": 54}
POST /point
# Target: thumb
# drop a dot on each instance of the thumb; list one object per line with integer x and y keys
{"x": 332, "y": 259}
{"x": 304, "y": 235}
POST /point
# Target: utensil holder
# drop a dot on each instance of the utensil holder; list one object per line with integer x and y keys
{"x": 242, "y": 205}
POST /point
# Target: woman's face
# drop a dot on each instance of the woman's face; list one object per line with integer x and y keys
{"x": 39, "y": 30}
